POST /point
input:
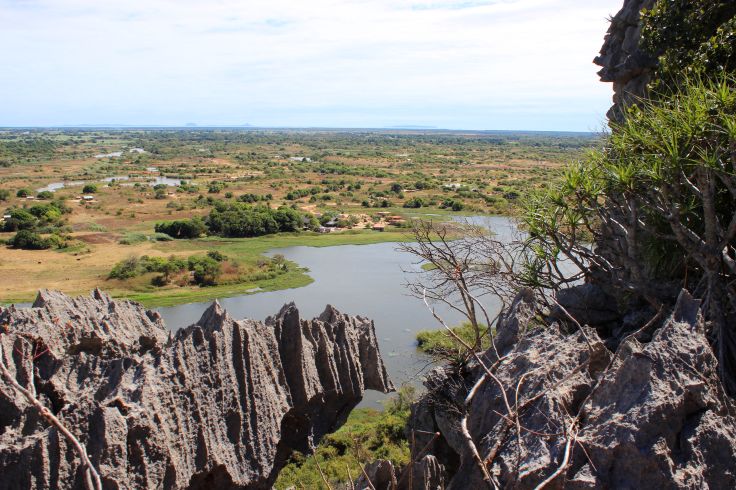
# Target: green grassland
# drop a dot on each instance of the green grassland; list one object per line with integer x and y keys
{"x": 356, "y": 174}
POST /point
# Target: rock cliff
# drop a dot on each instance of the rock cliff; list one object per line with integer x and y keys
{"x": 563, "y": 409}
{"x": 219, "y": 404}
{"x": 622, "y": 60}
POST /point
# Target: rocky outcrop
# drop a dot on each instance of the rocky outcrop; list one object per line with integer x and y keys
{"x": 219, "y": 404}
{"x": 622, "y": 60}
{"x": 563, "y": 408}
{"x": 424, "y": 474}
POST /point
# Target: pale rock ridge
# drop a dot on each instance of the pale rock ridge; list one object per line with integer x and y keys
{"x": 220, "y": 404}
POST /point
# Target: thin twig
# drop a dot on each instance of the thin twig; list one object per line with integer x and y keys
{"x": 563, "y": 465}
{"x": 367, "y": 478}
{"x": 324, "y": 478}
{"x": 350, "y": 477}
{"x": 92, "y": 477}
{"x": 463, "y": 423}
{"x": 580, "y": 327}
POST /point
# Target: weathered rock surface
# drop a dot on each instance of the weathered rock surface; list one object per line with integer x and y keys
{"x": 219, "y": 404}
{"x": 425, "y": 474}
{"x": 622, "y": 60}
{"x": 652, "y": 415}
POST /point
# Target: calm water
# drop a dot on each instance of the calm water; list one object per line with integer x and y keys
{"x": 55, "y": 186}
{"x": 366, "y": 280}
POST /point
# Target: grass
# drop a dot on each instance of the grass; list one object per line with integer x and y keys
{"x": 441, "y": 343}
{"x": 90, "y": 269}
{"x": 367, "y": 435}
{"x": 347, "y": 169}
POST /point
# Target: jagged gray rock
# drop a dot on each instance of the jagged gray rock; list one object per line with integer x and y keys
{"x": 379, "y": 475}
{"x": 622, "y": 60}
{"x": 425, "y": 474}
{"x": 220, "y": 404}
{"x": 654, "y": 415}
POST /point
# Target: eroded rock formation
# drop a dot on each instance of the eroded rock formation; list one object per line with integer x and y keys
{"x": 564, "y": 408}
{"x": 219, "y": 404}
{"x": 622, "y": 60}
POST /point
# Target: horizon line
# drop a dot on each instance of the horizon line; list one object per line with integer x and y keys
{"x": 248, "y": 127}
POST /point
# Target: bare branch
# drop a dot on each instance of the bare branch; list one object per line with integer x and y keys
{"x": 92, "y": 477}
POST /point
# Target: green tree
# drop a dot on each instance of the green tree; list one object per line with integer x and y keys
{"x": 191, "y": 228}
{"x": 205, "y": 270}
{"x": 659, "y": 205}
{"x": 415, "y": 202}
{"x": 20, "y": 219}
{"x": 690, "y": 38}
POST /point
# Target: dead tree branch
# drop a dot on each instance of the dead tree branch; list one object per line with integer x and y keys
{"x": 92, "y": 477}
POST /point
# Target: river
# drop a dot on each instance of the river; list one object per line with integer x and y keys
{"x": 366, "y": 280}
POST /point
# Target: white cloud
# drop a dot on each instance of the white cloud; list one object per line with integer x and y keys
{"x": 450, "y": 63}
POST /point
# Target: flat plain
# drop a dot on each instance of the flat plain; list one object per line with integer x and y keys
{"x": 113, "y": 186}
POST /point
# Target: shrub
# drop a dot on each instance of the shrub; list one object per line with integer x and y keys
{"x": 215, "y": 187}
{"x": 250, "y": 198}
{"x": 125, "y": 269}
{"x": 205, "y": 270}
{"x": 47, "y": 213}
{"x": 415, "y": 202}
{"x": 366, "y": 436}
{"x": 689, "y": 37}
{"x": 190, "y": 228}
{"x": 23, "y": 193}
{"x": 89, "y": 189}
{"x": 44, "y": 195}
{"x": 134, "y": 266}
{"x": 216, "y": 255}
{"x": 29, "y": 240}
{"x": 4, "y": 194}
{"x": 132, "y": 238}
{"x": 452, "y": 204}
{"x": 20, "y": 219}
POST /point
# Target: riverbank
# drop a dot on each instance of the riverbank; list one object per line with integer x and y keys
{"x": 77, "y": 273}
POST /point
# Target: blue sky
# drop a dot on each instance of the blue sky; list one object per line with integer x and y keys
{"x": 456, "y": 64}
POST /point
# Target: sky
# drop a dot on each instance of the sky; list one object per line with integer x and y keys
{"x": 452, "y": 64}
